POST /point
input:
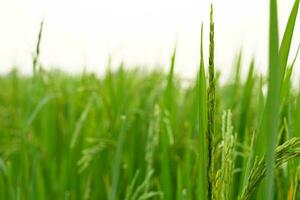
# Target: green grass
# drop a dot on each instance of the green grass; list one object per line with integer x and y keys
{"x": 137, "y": 135}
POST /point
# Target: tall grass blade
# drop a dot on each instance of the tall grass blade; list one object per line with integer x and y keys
{"x": 117, "y": 160}
{"x": 273, "y": 101}
{"x": 202, "y": 98}
{"x": 165, "y": 139}
{"x": 287, "y": 38}
{"x": 243, "y": 122}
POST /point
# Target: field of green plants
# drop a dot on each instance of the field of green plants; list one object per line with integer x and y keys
{"x": 136, "y": 135}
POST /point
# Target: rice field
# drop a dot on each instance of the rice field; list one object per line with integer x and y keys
{"x": 136, "y": 135}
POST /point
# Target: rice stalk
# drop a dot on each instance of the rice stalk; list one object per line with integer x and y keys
{"x": 211, "y": 109}
{"x": 223, "y": 179}
{"x": 152, "y": 142}
{"x": 283, "y": 153}
{"x": 37, "y": 49}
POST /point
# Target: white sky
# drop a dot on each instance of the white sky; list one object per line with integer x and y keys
{"x": 80, "y": 33}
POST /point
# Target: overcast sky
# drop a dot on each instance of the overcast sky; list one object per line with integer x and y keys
{"x": 80, "y": 33}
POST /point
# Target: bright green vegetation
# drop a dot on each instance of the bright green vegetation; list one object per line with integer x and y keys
{"x": 135, "y": 135}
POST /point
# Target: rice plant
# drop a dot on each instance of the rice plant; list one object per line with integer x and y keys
{"x": 136, "y": 135}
